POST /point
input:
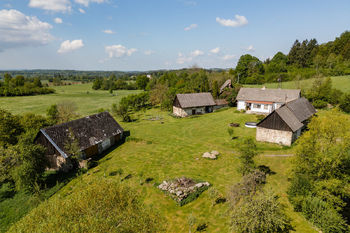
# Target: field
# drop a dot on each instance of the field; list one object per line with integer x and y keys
{"x": 169, "y": 147}
{"x": 339, "y": 82}
{"x": 88, "y": 100}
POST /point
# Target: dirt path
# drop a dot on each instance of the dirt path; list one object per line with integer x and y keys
{"x": 287, "y": 155}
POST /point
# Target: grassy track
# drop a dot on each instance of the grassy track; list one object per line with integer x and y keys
{"x": 340, "y": 82}
{"x": 87, "y": 100}
{"x": 174, "y": 148}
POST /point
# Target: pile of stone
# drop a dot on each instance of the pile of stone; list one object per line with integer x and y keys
{"x": 212, "y": 155}
{"x": 180, "y": 188}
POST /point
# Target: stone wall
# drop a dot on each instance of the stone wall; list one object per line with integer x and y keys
{"x": 179, "y": 112}
{"x": 274, "y": 136}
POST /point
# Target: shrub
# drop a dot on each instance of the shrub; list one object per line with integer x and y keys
{"x": 319, "y": 104}
{"x": 345, "y": 103}
{"x": 100, "y": 205}
{"x": 322, "y": 215}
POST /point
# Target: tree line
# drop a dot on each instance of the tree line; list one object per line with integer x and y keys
{"x": 305, "y": 59}
{"x": 21, "y": 86}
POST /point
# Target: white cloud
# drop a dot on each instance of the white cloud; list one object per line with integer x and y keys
{"x": 69, "y": 46}
{"x": 197, "y": 53}
{"x": 149, "y": 52}
{"x": 182, "y": 59}
{"x": 119, "y": 51}
{"x": 250, "y": 48}
{"x": 108, "y": 31}
{"x": 82, "y": 11}
{"x": 87, "y": 2}
{"x": 17, "y": 30}
{"x": 215, "y": 50}
{"x": 239, "y": 21}
{"x": 192, "y": 26}
{"x": 52, "y": 5}
{"x": 58, "y": 20}
{"x": 228, "y": 57}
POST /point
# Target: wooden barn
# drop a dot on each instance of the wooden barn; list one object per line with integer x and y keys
{"x": 285, "y": 124}
{"x": 227, "y": 84}
{"x": 94, "y": 134}
{"x": 264, "y": 100}
{"x": 193, "y": 103}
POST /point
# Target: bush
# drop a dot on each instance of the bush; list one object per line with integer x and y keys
{"x": 100, "y": 205}
{"x": 323, "y": 216}
{"x": 345, "y": 103}
{"x": 319, "y": 104}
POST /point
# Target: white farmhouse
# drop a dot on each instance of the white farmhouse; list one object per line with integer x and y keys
{"x": 264, "y": 100}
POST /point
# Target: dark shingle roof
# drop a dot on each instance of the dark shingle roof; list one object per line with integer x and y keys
{"x": 295, "y": 113}
{"x": 265, "y": 94}
{"x": 89, "y": 131}
{"x": 220, "y": 102}
{"x": 195, "y": 100}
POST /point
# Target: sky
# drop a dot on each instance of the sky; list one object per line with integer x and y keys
{"x": 140, "y": 35}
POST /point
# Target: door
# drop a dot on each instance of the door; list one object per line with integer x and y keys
{"x": 193, "y": 111}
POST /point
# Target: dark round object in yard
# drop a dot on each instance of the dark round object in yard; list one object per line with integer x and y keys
{"x": 250, "y": 124}
{"x": 234, "y": 124}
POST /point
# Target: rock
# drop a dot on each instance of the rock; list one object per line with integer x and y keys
{"x": 209, "y": 155}
{"x": 206, "y": 184}
{"x": 199, "y": 185}
{"x": 178, "y": 193}
{"x": 214, "y": 152}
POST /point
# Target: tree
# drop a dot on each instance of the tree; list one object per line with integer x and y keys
{"x": 321, "y": 170}
{"x": 260, "y": 213}
{"x": 53, "y": 114}
{"x": 247, "y": 66}
{"x": 345, "y": 103}
{"x": 97, "y": 84}
{"x": 158, "y": 94}
{"x": 215, "y": 89}
{"x": 142, "y": 81}
{"x": 67, "y": 111}
{"x": 247, "y": 149}
{"x": 10, "y": 128}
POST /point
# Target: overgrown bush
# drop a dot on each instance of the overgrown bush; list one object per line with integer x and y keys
{"x": 100, "y": 205}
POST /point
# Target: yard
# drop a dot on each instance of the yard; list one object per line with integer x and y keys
{"x": 162, "y": 147}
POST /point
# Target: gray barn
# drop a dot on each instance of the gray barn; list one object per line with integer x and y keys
{"x": 285, "y": 124}
{"x": 94, "y": 134}
{"x": 192, "y": 104}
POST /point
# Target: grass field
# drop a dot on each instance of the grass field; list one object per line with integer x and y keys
{"x": 173, "y": 149}
{"x": 88, "y": 100}
{"x": 339, "y": 82}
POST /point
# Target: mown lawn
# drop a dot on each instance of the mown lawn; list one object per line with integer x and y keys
{"x": 170, "y": 147}
{"x": 340, "y": 82}
{"x": 87, "y": 100}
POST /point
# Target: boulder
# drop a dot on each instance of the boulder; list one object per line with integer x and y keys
{"x": 209, "y": 155}
{"x": 214, "y": 152}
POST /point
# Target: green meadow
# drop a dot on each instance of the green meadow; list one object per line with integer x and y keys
{"x": 171, "y": 147}
{"x": 339, "y": 82}
{"x": 87, "y": 100}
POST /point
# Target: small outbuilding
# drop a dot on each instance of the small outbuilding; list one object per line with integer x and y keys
{"x": 193, "y": 103}
{"x": 227, "y": 84}
{"x": 264, "y": 100}
{"x": 285, "y": 124}
{"x": 92, "y": 134}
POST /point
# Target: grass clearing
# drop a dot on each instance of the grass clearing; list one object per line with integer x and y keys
{"x": 339, "y": 82}
{"x": 88, "y": 100}
{"x": 173, "y": 149}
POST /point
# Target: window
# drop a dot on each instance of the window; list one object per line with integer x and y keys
{"x": 257, "y": 105}
{"x": 266, "y": 106}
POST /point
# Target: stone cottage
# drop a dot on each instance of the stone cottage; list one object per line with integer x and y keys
{"x": 193, "y": 103}
{"x": 285, "y": 124}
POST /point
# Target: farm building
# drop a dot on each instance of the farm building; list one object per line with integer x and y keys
{"x": 285, "y": 124}
{"x": 93, "y": 134}
{"x": 264, "y": 100}
{"x": 227, "y": 84}
{"x": 194, "y": 103}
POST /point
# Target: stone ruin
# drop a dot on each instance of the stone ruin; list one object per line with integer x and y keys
{"x": 211, "y": 155}
{"x": 180, "y": 188}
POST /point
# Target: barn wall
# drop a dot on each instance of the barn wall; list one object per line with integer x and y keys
{"x": 179, "y": 112}
{"x": 274, "y": 136}
{"x": 216, "y": 107}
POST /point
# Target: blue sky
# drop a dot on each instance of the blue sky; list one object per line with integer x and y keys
{"x": 158, "y": 34}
